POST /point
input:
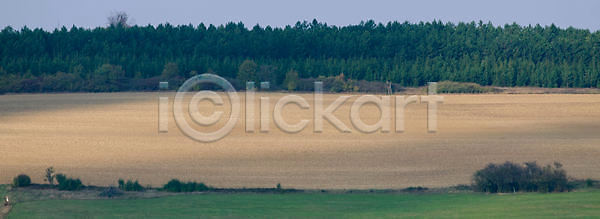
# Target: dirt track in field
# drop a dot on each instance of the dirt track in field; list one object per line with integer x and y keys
{"x": 103, "y": 137}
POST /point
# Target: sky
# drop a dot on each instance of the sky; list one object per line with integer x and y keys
{"x": 50, "y": 14}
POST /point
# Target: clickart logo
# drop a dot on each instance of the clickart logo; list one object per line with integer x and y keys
{"x": 391, "y": 110}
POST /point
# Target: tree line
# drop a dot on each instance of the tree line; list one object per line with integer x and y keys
{"x": 132, "y": 57}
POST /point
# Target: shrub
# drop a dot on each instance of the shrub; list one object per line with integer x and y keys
{"x": 511, "y": 177}
{"x": 173, "y": 186}
{"x": 291, "y": 80}
{"x": 589, "y": 182}
{"x": 338, "y": 85}
{"x": 66, "y": 183}
{"x": 177, "y": 186}
{"x": 121, "y": 183}
{"x": 133, "y": 186}
{"x": 22, "y": 180}
{"x": 130, "y": 185}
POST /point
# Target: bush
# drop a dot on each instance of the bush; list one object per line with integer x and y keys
{"x": 583, "y": 183}
{"x": 340, "y": 84}
{"x": 291, "y": 80}
{"x": 590, "y": 182}
{"x": 130, "y": 185}
{"x": 22, "y": 180}
{"x": 460, "y": 87}
{"x": 173, "y": 186}
{"x": 66, "y": 183}
{"x": 511, "y": 177}
{"x": 177, "y": 186}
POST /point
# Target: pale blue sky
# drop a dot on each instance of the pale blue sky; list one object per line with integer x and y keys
{"x": 50, "y": 14}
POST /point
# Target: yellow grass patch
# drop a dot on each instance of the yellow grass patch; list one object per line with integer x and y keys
{"x": 106, "y": 136}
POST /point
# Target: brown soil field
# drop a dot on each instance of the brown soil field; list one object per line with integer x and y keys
{"x": 101, "y": 137}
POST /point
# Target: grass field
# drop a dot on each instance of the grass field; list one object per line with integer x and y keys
{"x": 533, "y": 205}
{"x": 100, "y": 137}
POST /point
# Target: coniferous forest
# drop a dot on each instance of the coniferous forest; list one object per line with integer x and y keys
{"x": 123, "y": 57}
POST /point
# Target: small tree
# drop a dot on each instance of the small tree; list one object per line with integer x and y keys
{"x": 266, "y": 73}
{"x": 118, "y": 19}
{"x": 60, "y": 178}
{"x": 121, "y": 184}
{"x": 247, "y": 71}
{"x": 173, "y": 186}
{"x": 49, "y": 177}
{"x": 339, "y": 83}
{"x": 107, "y": 78}
{"x": 291, "y": 80}
{"x": 170, "y": 71}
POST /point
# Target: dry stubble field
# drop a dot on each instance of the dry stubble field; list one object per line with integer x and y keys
{"x": 105, "y": 136}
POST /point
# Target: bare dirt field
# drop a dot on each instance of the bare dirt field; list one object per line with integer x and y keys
{"x": 106, "y": 136}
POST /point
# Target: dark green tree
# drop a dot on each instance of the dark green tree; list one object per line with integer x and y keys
{"x": 247, "y": 72}
{"x": 291, "y": 80}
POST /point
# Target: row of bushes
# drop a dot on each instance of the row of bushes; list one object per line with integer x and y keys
{"x": 64, "y": 182}
{"x": 130, "y": 185}
{"x": 173, "y": 185}
{"x": 340, "y": 83}
{"x": 494, "y": 178}
{"x": 461, "y": 87}
{"x": 71, "y": 184}
{"x": 529, "y": 177}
